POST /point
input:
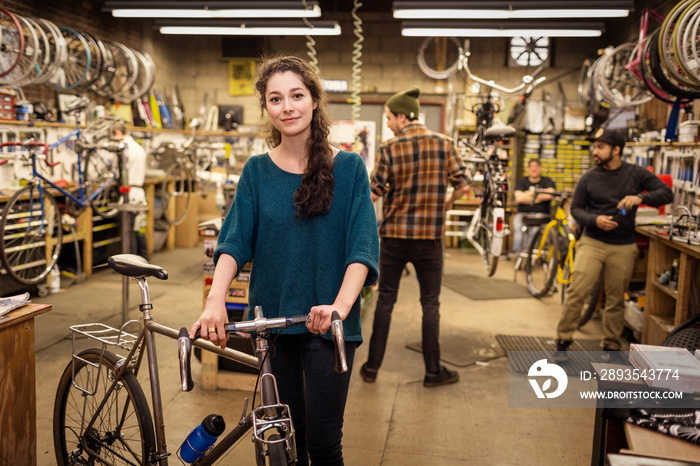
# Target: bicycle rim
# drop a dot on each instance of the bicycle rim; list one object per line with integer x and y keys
{"x": 31, "y": 236}
{"x": 540, "y": 265}
{"x": 12, "y": 42}
{"x": 122, "y": 433}
{"x": 101, "y": 181}
{"x": 176, "y": 191}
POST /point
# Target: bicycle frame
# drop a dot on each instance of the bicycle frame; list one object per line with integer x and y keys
{"x": 269, "y": 396}
{"x": 560, "y": 225}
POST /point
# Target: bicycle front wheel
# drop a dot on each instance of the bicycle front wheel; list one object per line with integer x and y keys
{"x": 31, "y": 235}
{"x": 122, "y": 433}
{"x": 176, "y": 191}
{"x": 541, "y": 264}
{"x": 486, "y": 234}
{"x": 101, "y": 182}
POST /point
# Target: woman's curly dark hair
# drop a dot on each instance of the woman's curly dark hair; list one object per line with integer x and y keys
{"x": 314, "y": 196}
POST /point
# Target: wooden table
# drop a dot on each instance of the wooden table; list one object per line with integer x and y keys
{"x": 18, "y": 385}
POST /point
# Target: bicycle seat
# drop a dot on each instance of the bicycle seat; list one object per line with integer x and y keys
{"x": 499, "y": 132}
{"x": 132, "y": 265}
{"x": 536, "y": 218}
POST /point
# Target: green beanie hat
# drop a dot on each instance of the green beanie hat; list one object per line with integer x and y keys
{"x": 405, "y": 103}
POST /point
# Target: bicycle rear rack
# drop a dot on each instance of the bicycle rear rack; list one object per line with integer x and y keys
{"x": 107, "y": 336}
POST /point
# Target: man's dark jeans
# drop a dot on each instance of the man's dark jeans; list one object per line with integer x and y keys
{"x": 426, "y": 257}
{"x": 316, "y": 395}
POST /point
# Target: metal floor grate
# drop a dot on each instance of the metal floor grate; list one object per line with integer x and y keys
{"x": 526, "y": 350}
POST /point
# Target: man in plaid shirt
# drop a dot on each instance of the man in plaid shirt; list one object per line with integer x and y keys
{"x": 411, "y": 173}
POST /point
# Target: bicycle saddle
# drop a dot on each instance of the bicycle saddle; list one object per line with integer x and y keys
{"x": 132, "y": 265}
{"x": 499, "y": 132}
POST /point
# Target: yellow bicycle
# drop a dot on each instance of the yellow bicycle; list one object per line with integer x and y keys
{"x": 550, "y": 258}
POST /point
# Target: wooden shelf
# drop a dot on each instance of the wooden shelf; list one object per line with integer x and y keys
{"x": 666, "y": 289}
{"x": 666, "y": 308}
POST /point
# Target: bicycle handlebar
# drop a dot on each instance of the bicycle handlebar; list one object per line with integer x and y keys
{"x": 30, "y": 144}
{"x": 257, "y": 326}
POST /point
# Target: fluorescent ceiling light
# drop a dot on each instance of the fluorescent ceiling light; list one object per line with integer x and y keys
{"x": 249, "y": 28}
{"x": 213, "y": 9}
{"x": 481, "y": 29}
{"x": 512, "y": 10}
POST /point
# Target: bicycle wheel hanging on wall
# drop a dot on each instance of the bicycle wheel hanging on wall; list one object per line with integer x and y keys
{"x": 12, "y": 38}
{"x": 432, "y": 72}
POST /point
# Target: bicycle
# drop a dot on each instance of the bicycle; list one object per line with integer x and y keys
{"x": 488, "y": 227}
{"x": 186, "y": 166}
{"x": 101, "y": 414}
{"x": 550, "y": 257}
{"x": 31, "y": 227}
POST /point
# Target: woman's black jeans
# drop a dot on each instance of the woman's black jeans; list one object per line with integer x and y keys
{"x": 316, "y": 395}
{"x": 426, "y": 257}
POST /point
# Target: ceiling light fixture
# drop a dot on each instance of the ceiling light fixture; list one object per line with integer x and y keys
{"x": 249, "y": 28}
{"x": 512, "y": 10}
{"x": 212, "y": 9}
{"x": 484, "y": 29}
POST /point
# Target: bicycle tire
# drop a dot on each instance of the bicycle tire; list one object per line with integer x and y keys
{"x": 101, "y": 176}
{"x": 540, "y": 265}
{"x": 592, "y": 304}
{"x": 176, "y": 185}
{"x": 123, "y": 431}
{"x": 490, "y": 261}
{"x": 277, "y": 454}
{"x": 25, "y": 254}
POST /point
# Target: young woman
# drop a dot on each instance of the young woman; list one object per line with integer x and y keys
{"x": 303, "y": 214}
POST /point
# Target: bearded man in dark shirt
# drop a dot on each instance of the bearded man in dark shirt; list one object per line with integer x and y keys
{"x": 605, "y": 205}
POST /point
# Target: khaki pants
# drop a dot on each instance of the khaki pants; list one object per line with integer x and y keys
{"x": 616, "y": 261}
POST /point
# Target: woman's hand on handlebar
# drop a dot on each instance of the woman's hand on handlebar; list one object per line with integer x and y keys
{"x": 211, "y": 323}
{"x": 319, "y": 320}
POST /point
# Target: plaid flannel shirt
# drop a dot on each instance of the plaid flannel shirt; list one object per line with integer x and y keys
{"x": 411, "y": 173}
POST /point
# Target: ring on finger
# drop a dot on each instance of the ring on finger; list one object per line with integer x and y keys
{"x": 212, "y": 329}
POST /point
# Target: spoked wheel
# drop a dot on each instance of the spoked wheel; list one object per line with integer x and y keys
{"x": 31, "y": 235}
{"x": 11, "y": 42}
{"x": 176, "y": 185}
{"x": 122, "y": 433}
{"x": 541, "y": 264}
{"x": 102, "y": 182}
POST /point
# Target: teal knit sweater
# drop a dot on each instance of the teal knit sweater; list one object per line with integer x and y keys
{"x": 300, "y": 263}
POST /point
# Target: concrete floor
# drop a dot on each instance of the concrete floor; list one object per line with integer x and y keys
{"x": 395, "y": 421}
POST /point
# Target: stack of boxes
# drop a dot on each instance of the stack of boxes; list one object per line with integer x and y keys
{"x": 7, "y": 104}
{"x": 236, "y": 298}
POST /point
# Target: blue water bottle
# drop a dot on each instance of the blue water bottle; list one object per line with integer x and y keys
{"x": 202, "y": 437}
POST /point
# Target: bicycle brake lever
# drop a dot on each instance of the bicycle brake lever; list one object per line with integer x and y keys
{"x": 341, "y": 362}
{"x": 184, "y": 351}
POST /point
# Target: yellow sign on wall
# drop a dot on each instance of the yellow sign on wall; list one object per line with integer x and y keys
{"x": 241, "y": 76}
